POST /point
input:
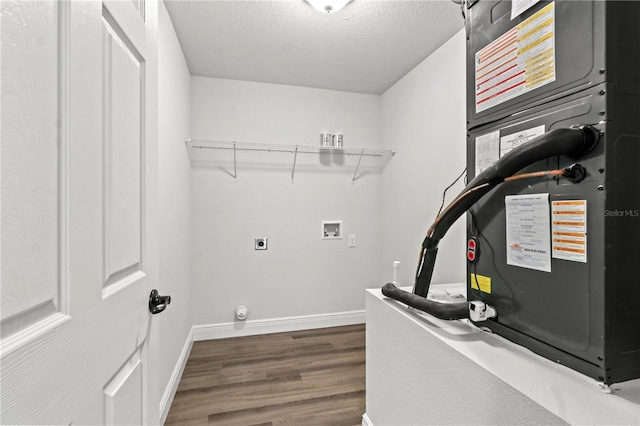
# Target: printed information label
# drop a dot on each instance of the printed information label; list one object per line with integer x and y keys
{"x": 528, "y": 231}
{"x": 487, "y": 151}
{"x": 514, "y": 140}
{"x": 518, "y": 62}
{"x": 569, "y": 228}
{"x": 520, "y": 6}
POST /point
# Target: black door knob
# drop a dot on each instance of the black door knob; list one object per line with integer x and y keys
{"x": 158, "y": 303}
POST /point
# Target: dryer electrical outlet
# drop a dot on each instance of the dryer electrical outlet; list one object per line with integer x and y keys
{"x": 260, "y": 243}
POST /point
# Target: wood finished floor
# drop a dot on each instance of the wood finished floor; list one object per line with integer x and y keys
{"x": 311, "y": 377}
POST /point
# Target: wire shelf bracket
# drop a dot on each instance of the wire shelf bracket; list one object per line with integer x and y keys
{"x": 295, "y": 157}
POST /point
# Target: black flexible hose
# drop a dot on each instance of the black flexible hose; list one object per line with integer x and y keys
{"x": 425, "y": 270}
{"x": 445, "y": 311}
{"x": 575, "y": 141}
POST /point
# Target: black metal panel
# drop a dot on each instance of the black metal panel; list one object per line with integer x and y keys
{"x": 562, "y": 309}
{"x": 622, "y": 222}
{"x": 579, "y": 51}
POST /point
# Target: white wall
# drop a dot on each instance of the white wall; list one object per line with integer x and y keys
{"x": 424, "y": 116}
{"x": 299, "y": 274}
{"x": 174, "y": 200}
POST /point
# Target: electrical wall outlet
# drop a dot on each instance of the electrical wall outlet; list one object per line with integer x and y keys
{"x": 352, "y": 240}
{"x": 261, "y": 243}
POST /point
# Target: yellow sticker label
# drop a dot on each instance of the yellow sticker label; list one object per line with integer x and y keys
{"x": 483, "y": 282}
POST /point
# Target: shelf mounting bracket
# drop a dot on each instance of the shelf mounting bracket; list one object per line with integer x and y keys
{"x": 355, "y": 173}
{"x": 295, "y": 157}
{"x": 235, "y": 163}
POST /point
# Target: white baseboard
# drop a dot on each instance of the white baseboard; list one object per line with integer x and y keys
{"x": 276, "y": 325}
{"x": 174, "y": 380}
{"x": 366, "y": 421}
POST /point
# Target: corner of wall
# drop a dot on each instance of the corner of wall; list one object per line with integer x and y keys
{"x": 423, "y": 116}
{"x": 174, "y": 213}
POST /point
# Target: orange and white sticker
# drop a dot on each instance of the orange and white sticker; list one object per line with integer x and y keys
{"x": 520, "y": 60}
{"x": 569, "y": 230}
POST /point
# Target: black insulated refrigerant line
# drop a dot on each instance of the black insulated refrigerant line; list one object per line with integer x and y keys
{"x": 574, "y": 142}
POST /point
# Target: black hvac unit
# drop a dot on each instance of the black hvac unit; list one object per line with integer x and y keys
{"x": 553, "y": 245}
{"x": 557, "y": 258}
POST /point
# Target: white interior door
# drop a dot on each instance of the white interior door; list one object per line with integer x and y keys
{"x": 78, "y": 167}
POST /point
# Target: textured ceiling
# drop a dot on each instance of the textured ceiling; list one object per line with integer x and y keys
{"x": 365, "y": 47}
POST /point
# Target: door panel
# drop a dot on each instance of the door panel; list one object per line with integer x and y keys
{"x": 78, "y": 165}
{"x": 122, "y": 396}
{"x": 30, "y": 190}
{"x": 49, "y": 380}
{"x": 122, "y": 115}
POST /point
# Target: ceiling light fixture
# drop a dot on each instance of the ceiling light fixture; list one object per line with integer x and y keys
{"x": 328, "y": 6}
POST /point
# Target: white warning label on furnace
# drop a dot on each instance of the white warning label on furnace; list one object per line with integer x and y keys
{"x": 514, "y": 140}
{"x": 519, "y": 61}
{"x": 528, "y": 237}
{"x": 569, "y": 229}
{"x": 487, "y": 151}
{"x": 520, "y": 6}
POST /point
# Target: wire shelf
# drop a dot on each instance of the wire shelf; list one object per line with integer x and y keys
{"x": 377, "y": 158}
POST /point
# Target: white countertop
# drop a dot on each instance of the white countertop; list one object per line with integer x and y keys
{"x": 574, "y": 397}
